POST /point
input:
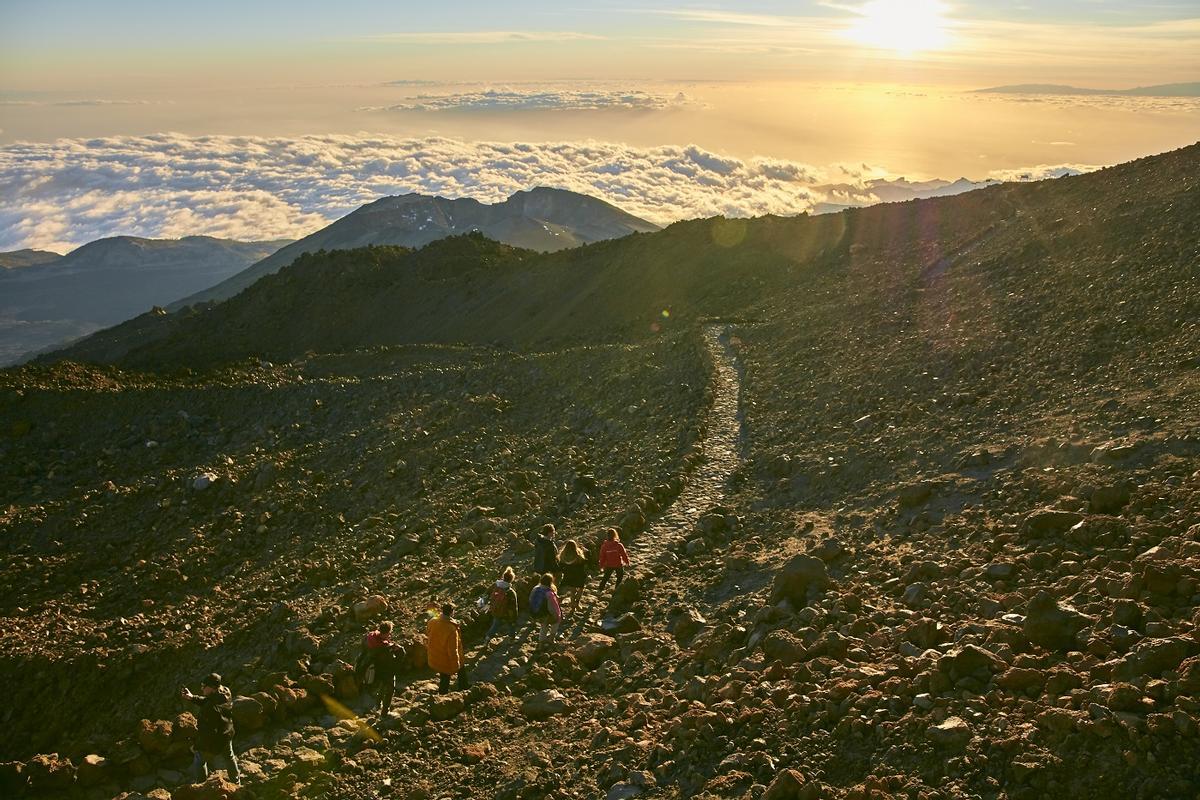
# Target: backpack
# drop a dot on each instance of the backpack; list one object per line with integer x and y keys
{"x": 499, "y": 602}
{"x": 538, "y": 607}
{"x": 364, "y": 668}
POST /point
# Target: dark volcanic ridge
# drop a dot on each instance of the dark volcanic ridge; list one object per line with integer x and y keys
{"x": 540, "y": 219}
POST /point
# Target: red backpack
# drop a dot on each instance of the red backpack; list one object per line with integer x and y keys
{"x": 500, "y": 602}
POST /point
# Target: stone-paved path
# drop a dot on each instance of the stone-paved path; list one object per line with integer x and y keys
{"x": 705, "y": 487}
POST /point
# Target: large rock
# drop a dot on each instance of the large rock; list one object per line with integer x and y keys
{"x": 1152, "y": 657}
{"x": 155, "y": 737}
{"x": 216, "y": 787}
{"x": 50, "y": 773}
{"x": 593, "y": 648}
{"x": 1051, "y": 625}
{"x": 953, "y": 733}
{"x": 970, "y": 661}
{"x": 783, "y": 647}
{"x": 248, "y": 714}
{"x": 1047, "y": 521}
{"x": 790, "y": 784}
{"x": 447, "y": 706}
{"x": 625, "y": 595}
{"x": 371, "y": 607}
{"x": 800, "y": 578}
{"x": 93, "y": 770}
{"x": 1189, "y": 677}
{"x": 686, "y": 625}
{"x": 544, "y": 704}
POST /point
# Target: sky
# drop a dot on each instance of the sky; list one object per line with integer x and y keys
{"x": 160, "y": 118}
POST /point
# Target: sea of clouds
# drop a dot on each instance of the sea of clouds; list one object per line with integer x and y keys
{"x": 542, "y": 100}
{"x": 59, "y": 195}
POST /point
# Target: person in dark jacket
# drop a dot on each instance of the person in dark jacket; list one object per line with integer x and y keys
{"x": 545, "y": 552}
{"x": 214, "y": 728}
{"x": 572, "y": 560}
{"x": 386, "y": 656}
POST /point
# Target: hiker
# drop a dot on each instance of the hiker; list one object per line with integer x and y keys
{"x": 613, "y": 558}
{"x": 214, "y": 728}
{"x": 545, "y": 551}
{"x": 544, "y": 609}
{"x": 378, "y": 664}
{"x": 443, "y": 640}
{"x": 573, "y": 562}
{"x": 503, "y": 604}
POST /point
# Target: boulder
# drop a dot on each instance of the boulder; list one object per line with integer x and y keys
{"x": 915, "y": 494}
{"x": 371, "y": 607}
{"x": 1051, "y": 625}
{"x": 203, "y": 481}
{"x": 1047, "y": 521}
{"x": 801, "y": 577}
{"x": 248, "y": 714}
{"x": 447, "y": 706}
{"x": 953, "y": 733}
{"x": 544, "y": 704}
{"x": 790, "y": 784}
{"x": 626, "y": 623}
{"x": 155, "y": 737}
{"x": 93, "y": 770}
{"x": 1109, "y": 499}
{"x": 593, "y": 648}
{"x": 970, "y": 661}
{"x": 49, "y": 773}
{"x": 1189, "y": 677}
{"x": 783, "y": 647}
{"x": 686, "y": 625}
{"x": 1152, "y": 657}
{"x": 625, "y": 595}
{"x": 215, "y": 787}
{"x": 407, "y": 544}
{"x": 1020, "y": 679}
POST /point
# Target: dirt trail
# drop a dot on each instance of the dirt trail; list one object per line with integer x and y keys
{"x": 706, "y": 486}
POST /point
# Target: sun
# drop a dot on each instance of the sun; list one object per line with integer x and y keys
{"x": 903, "y": 26}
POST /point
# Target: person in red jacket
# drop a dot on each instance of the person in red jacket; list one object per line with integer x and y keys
{"x": 386, "y": 656}
{"x": 613, "y": 558}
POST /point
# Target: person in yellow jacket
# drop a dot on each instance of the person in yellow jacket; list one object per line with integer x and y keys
{"x": 443, "y": 642}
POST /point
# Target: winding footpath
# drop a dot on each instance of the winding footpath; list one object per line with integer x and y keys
{"x": 705, "y": 487}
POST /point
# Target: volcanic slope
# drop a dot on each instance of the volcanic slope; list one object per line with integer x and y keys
{"x": 542, "y": 219}
{"x": 957, "y": 553}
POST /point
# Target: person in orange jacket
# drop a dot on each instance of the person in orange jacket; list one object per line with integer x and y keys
{"x": 443, "y": 642}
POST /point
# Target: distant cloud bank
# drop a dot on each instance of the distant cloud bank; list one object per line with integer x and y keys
{"x": 541, "y": 100}
{"x": 58, "y": 195}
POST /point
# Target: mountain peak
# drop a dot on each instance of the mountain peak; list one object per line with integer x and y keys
{"x": 540, "y": 218}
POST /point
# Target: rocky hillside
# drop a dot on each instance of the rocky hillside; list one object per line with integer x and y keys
{"x": 47, "y": 300}
{"x": 913, "y": 494}
{"x": 540, "y": 219}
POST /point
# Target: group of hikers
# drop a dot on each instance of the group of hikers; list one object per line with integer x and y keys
{"x": 382, "y": 659}
{"x": 567, "y": 567}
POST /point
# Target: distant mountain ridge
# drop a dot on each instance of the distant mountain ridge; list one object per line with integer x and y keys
{"x": 541, "y": 219}
{"x": 1160, "y": 90}
{"x": 17, "y": 259}
{"x": 47, "y": 300}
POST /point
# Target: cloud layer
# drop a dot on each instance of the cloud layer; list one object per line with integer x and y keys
{"x": 58, "y": 195}
{"x": 541, "y": 100}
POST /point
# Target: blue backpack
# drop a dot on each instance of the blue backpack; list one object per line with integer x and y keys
{"x": 538, "y": 607}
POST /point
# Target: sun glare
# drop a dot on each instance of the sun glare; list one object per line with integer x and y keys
{"x": 903, "y": 26}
